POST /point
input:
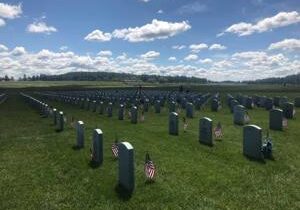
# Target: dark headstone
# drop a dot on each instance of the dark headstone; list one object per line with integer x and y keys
{"x": 275, "y": 119}
{"x": 205, "y": 131}
{"x": 80, "y": 134}
{"x": 134, "y": 115}
{"x": 239, "y": 115}
{"x": 252, "y": 142}
{"x": 126, "y": 166}
{"x": 121, "y": 112}
{"x": 288, "y": 110}
{"x": 97, "y": 148}
{"x": 189, "y": 110}
{"x": 173, "y": 123}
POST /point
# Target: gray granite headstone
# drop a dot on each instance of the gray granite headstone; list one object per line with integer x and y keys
{"x": 173, "y": 123}
{"x": 282, "y": 101}
{"x": 276, "y": 100}
{"x": 134, "y": 115}
{"x": 60, "y": 121}
{"x": 98, "y": 146}
{"x": 54, "y": 116}
{"x": 172, "y": 106}
{"x": 214, "y": 105}
{"x": 288, "y": 110}
{"x": 275, "y": 119}
{"x": 205, "y": 131}
{"x": 252, "y": 142}
{"x": 126, "y": 166}
{"x": 157, "y": 106}
{"x": 94, "y": 106}
{"x": 101, "y": 107}
{"x": 233, "y": 103}
{"x": 80, "y": 134}
{"x": 121, "y": 112}
{"x": 109, "y": 109}
{"x": 297, "y": 102}
{"x": 269, "y": 104}
{"x": 189, "y": 110}
{"x": 239, "y": 115}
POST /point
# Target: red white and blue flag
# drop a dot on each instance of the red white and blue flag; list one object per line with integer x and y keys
{"x": 218, "y": 131}
{"x": 149, "y": 168}
{"x": 284, "y": 122}
{"x": 114, "y": 149}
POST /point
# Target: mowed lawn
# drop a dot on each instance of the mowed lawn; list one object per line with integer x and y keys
{"x": 40, "y": 170}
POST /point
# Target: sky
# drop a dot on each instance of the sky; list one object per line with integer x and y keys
{"x": 214, "y": 39}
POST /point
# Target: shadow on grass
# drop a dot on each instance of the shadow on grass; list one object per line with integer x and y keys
{"x": 94, "y": 164}
{"x": 123, "y": 193}
{"x": 149, "y": 182}
{"x": 76, "y": 147}
{"x": 261, "y": 161}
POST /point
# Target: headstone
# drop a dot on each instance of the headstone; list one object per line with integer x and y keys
{"x": 288, "y": 110}
{"x": 269, "y": 104}
{"x": 97, "y": 148}
{"x": 134, "y": 115}
{"x": 252, "y": 142}
{"x": 173, "y": 123}
{"x": 275, "y": 119}
{"x": 282, "y": 101}
{"x": 121, "y": 112}
{"x": 109, "y": 109}
{"x": 249, "y": 103}
{"x": 189, "y": 110}
{"x": 172, "y": 106}
{"x": 60, "y": 121}
{"x": 55, "y": 116}
{"x": 94, "y": 106}
{"x": 157, "y": 106}
{"x": 126, "y": 166}
{"x": 239, "y": 115}
{"x": 276, "y": 100}
{"x": 87, "y": 104}
{"x": 215, "y": 105}
{"x": 233, "y": 103}
{"x": 101, "y": 107}
{"x": 297, "y": 102}
{"x": 205, "y": 131}
{"x": 80, "y": 134}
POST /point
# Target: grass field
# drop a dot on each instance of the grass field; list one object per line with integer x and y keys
{"x": 40, "y": 170}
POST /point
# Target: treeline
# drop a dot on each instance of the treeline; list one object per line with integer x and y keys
{"x": 291, "y": 79}
{"x": 106, "y": 76}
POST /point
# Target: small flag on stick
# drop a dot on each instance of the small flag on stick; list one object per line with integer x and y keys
{"x": 114, "y": 148}
{"x": 284, "y": 122}
{"x": 149, "y": 167}
{"x": 218, "y": 131}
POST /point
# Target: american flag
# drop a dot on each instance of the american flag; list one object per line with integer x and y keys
{"x": 218, "y": 131}
{"x": 149, "y": 168}
{"x": 284, "y": 122}
{"x": 294, "y": 112}
{"x": 114, "y": 149}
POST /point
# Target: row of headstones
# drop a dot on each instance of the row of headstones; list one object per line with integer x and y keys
{"x": 45, "y": 110}
{"x": 125, "y": 155}
{"x": 94, "y": 105}
{"x": 198, "y": 100}
{"x": 3, "y": 97}
{"x": 252, "y": 137}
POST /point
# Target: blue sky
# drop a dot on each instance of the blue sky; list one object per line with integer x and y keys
{"x": 220, "y": 40}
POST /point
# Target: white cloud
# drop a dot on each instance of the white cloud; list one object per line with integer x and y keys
{"x": 40, "y": 27}
{"x": 3, "y": 48}
{"x": 195, "y": 48}
{"x": 178, "y": 47}
{"x": 217, "y": 47}
{"x": 238, "y": 66}
{"x": 205, "y": 61}
{"x": 2, "y": 22}
{"x": 105, "y": 53}
{"x": 194, "y": 7}
{"x": 18, "y": 51}
{"x": 279, "y": 20}
{"x": 160, "y": 11}
{"x": 155, "y": 30}
{"x": 9, "y": 11}
{"x": 172, "y": 58}
{"x": 150, "y": 55}
{"x": 286, "y": 44}
{"x": 191, "y": 57}
{"x": 63, "y": 48}
{"x": 145, "y": 1}
{"x": 98, "y": 36}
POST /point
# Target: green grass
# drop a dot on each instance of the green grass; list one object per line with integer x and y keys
{"x": 40, "y": 170}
